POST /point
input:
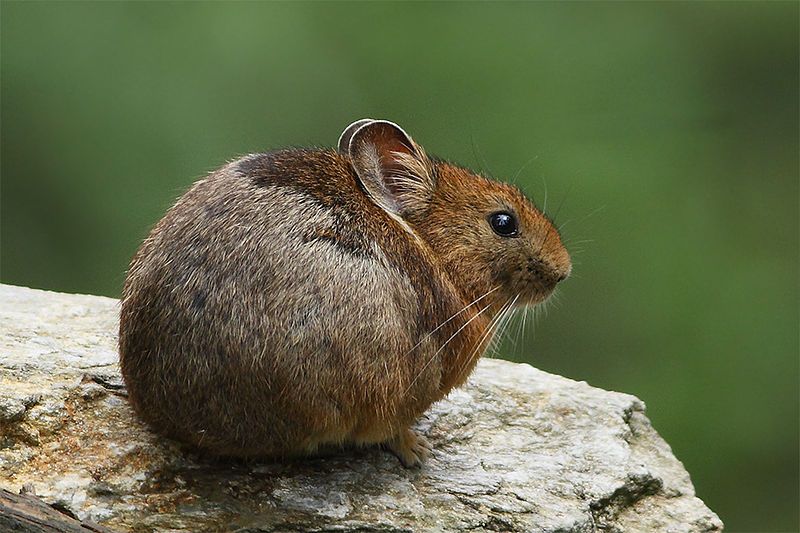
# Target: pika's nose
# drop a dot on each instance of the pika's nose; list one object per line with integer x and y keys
{"x": 548, "y": 272}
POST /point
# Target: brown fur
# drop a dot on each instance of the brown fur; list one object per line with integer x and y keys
{"x": 304, "y": 298}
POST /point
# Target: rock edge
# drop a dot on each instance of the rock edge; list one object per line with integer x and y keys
{"x": 516, "y": 449}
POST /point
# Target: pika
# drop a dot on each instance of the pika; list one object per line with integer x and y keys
{"x": 307, "y": 298}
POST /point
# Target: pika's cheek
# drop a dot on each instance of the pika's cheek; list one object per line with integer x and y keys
{"x": 505, "y": 277}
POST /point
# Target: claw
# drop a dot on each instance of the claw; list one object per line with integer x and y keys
{"x": 410, "y": 448}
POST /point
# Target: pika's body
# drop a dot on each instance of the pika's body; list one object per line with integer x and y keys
{"x": 303, "y": 298}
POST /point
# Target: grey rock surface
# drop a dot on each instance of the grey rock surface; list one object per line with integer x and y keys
{"x": 516, "y": 449}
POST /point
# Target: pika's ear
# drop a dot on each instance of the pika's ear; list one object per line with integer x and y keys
{"x": 393, "y": 169}
{"x": 347, "y": 134}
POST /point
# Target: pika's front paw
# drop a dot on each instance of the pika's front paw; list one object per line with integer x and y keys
{"x": 410, "y": 448}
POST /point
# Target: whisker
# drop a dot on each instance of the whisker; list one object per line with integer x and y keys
{"x": 497, "y": 333}
{"x": 582, "y": 219}
{"x": 495, "y": 320}
{"x": 561, "y": 204}
{"x": 528, "y": 162}
{"x": 498, "y": 336}
{"x": 544, "y": 207}
{"x": 476, "y": 152}
{"x": 440, "y": 326}
{"x": 520, "y": 325}
{"x": 525, "y": 311}
{"x": 479, "y": 313}
{"x": 582, "y": 241}
{"x": 514, "y": 318}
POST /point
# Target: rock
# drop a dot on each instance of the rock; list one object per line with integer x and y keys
{"x": 516, "y": 449}
{"x": 25, "y": 513}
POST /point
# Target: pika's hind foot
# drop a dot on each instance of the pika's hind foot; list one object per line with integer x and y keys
{"x": 410, "y": 448}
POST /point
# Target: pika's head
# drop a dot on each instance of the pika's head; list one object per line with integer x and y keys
{"x": 487, "y": 235}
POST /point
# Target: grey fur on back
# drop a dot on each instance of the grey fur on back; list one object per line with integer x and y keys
{"x": 238, "y": 296}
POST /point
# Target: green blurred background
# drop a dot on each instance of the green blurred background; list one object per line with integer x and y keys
{"x": 668, "y": 131}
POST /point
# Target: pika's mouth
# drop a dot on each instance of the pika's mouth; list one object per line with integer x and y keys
{"x": 539, "y": 292}
{"x": 528, "y": 292}
{"x": 543, "y": 278}
{"x": 533, "y": 283}
{"x": 538, "y": 284}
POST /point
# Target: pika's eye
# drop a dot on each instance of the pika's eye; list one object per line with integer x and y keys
{"x": 504, "y": 224}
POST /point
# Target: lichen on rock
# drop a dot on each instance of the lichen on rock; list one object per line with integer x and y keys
{"x": 516, "y": 449}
